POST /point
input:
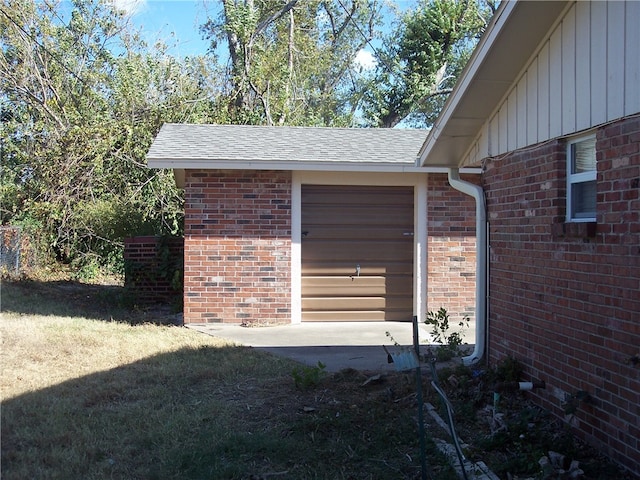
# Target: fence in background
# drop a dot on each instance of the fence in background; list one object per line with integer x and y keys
{"x": 16, "y": 251}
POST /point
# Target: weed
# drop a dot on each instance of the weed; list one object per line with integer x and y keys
{"x": 306, "y": 377}
{"x": 449, "y": 343}
{"x": 508, "y": 369}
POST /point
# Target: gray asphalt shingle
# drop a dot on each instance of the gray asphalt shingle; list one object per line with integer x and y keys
{"x": 285, "y": 144}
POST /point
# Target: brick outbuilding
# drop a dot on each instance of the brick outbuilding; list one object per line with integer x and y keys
{"x": 292, "y": 224}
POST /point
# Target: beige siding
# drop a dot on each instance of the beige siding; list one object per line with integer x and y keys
{"x": 585, "y": 73}
{"x": 632, "y": 60}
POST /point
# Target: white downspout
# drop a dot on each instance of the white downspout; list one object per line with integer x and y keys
{"x": 481, "y": 263}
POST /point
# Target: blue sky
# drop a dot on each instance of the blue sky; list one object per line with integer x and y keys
{"x": 177, "y": 22}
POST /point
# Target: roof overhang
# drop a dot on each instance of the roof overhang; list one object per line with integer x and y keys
{"x": 510, "y": 40}
{"x": 179, "y": 167}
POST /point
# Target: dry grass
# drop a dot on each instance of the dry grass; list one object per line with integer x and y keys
{"x": 94, "y": 390}
{"x": 86, "y": 397}
{"x": 41, "y": 351}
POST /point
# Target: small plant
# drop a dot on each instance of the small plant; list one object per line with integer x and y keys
{"x": 572, "y": 401}
{"x": 509, "y": 369}
{"x": 306, "y": 377}
{"x": 449, "y": 343}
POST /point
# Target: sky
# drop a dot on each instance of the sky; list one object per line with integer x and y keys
{"x": 177, "y": 23}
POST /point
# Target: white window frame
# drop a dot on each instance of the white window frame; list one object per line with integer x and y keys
{"x": 574, "y": 179}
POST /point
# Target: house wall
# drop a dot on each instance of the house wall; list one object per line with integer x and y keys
{"x": 565, "y": 297}
{"x": 585, "y": 73}
{"x": 451, "y": 248}
{"x": 237, "y": 246}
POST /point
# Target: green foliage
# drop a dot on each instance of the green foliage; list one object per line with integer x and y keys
{"x": 82, "y": 97}
{"x": 421, "y": 60}
{"x": 449, "y": 343}
{"x": 306, "y": 377}
{"x": 292, "y": 63}
{"x": 509, "y": 369}
{"x": 77, "y": 122}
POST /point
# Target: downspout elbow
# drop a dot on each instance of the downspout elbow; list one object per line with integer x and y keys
{"x": 481, "y": 263}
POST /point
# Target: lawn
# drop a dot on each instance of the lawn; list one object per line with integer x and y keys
{"x": 92, "y": 389}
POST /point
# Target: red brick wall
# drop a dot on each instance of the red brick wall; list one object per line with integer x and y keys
{"x": 451, "y": 248}
{"x": 153, "y": 268}
{"x": 565, "y": 298}
{"x": 237, "y": 246}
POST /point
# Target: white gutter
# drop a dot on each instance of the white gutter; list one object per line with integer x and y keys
{"x": 481, "y": 263}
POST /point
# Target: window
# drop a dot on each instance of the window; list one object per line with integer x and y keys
{"x": 581, "y": 179}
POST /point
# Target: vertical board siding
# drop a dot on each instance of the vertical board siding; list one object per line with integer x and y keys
{"x": 568, "y": 69}
{"x": 598, "y": 62}
{"x": 586, "y": 73}
{"x": 503, "y": 129}
{"x": 512, "y": 120}
{"x": 555, "y": 82}
{"x": 615, "y": 58}
{"x": 543, "y": 93}
{"x": 632, "y": 58}
{"x": 583, "y": 79}
{"x": 521, "y": 132}
{"x": 532, "y": 105}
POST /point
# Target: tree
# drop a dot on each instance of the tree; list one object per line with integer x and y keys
{"x": 79, "y": 121}
{"x": 421, "y": 60}
{"x": 292, "y": 62}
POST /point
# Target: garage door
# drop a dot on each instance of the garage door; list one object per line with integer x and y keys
{"x": 357, "y": 253}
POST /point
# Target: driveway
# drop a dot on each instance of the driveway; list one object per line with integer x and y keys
{"x": 338, "y": 345}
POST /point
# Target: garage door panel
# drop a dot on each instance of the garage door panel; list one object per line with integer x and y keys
{"x": 315, "y": 232}
{"x": 362, "y": 286}
{"x": 354, "y": 303}
{"x": 346, "y": 316}
{"x": 344, "y": 268}
{"x": 358, "y": 316}
{"x": 345, "y": 226}
{"x": 355, "y": 195}
{"x": 357, "y": 251}
{"x": 360, "y": 216}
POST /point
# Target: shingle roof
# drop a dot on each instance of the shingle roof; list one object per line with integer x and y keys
{"x": 178, "y": 144}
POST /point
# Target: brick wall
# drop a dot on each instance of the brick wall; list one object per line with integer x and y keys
{"x": 237, "y": 246}
{"x": 565, "y": 298}
{"x": 451, "y": 248}
{"x": 153, "y": 268}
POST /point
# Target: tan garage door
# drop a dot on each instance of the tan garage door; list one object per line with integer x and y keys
{"x": 357, "y": 253}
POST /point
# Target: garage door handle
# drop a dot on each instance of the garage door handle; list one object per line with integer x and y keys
{"x": 357, "y": 274}
{"x": 407, "y": 234}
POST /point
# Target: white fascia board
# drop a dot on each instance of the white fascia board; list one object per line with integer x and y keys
{"x": 199, "y": 164}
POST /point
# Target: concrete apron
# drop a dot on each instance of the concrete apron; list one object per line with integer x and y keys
{"x": 338, "y": 345}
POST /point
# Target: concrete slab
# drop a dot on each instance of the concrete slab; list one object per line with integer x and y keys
{"x": 338, "y": 345}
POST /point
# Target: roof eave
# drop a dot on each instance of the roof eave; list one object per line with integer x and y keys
{"x": 512, "y": 37}
{"x": 180, "y": 166}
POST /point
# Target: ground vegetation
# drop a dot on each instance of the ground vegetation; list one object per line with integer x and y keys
{"x": 94, "y": 387}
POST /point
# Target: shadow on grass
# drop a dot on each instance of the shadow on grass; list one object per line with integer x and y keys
{"x": 223, "y": 413}
{"x": 76, "y": 299}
